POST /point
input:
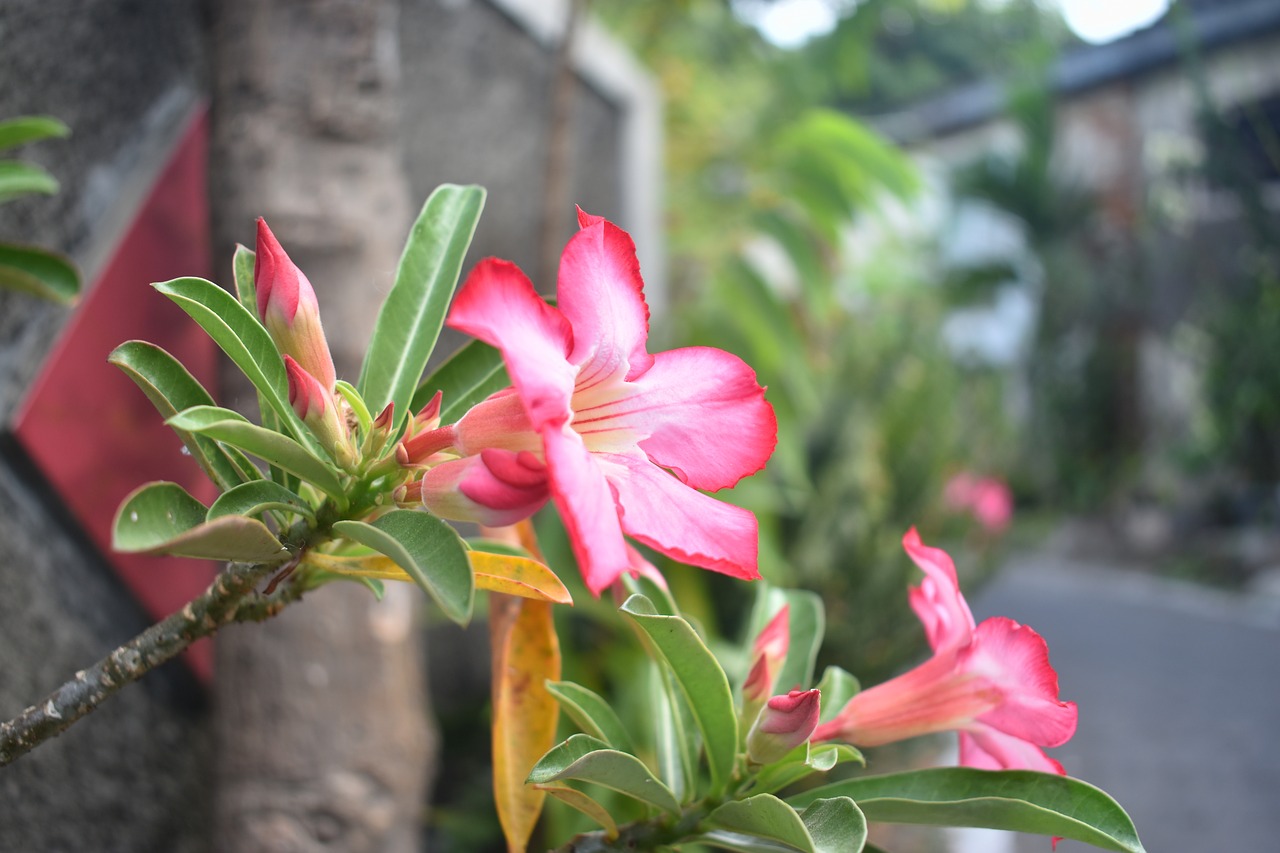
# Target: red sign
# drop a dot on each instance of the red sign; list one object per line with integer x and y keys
{"x": 88, "y": 428}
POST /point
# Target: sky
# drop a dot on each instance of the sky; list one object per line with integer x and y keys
{"x": 789, "y": 23}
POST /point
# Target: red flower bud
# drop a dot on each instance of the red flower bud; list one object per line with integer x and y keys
{"x": 288, "y": 308}
{"x": 786, "y": 722}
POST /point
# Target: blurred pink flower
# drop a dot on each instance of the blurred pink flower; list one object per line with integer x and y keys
{"x": 988, "y": 499}
{"x": 991, "y": 682}
{"x": 612, "y": 422}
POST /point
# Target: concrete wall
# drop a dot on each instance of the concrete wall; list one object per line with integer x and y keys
{"x": 124, "y": 74}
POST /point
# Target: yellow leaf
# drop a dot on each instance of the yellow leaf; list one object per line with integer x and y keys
{"x": 584, "y": 804}
{"x": 517, "y": 576}
{"x": 526, "y": 654}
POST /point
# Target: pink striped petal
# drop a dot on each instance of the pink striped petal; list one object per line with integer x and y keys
{"x": 704, "y": 414}
{"x": 602, "y": 295}
{"x": 1016, "y": 658}
{"x": 985, "y": 748}
{"x": 588, "y": 507}
{"x": 941, "y": 608}
{"x": 684, "y": 524}
{"x": 498, "y": 305}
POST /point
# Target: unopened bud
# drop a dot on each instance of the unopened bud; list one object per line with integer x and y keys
{"x": 786, "y": 722}
{"x": 288, "y": 308}
{"x": 318, "y": 409}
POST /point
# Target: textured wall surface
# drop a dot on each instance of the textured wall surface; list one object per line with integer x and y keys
{"x": 131, "y": 777}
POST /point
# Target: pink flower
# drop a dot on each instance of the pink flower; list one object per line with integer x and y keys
{"x": 612, "y": 422}
{"x": 991, "y": 682}
{"x": 786, "y": 722}
{"x": 288, "y": 308}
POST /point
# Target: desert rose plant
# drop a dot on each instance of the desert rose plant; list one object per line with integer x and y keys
{"x": 563, "y": 404}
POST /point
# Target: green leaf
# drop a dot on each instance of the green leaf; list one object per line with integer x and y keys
{"x": 273, "y": 447}
{"x": 245, "y": 341}
{"x": 674, "y": 732}
{"x": 763, "y": 816}
{"x": 171, "y": 389}
{"x": 40, "y": 272}
{"x": 472, "y": 373}
{"x": 586, "y": 759}
{"x": 24, "y": 129}
{"x": 19, "y": 179}
{"x": 242, "y": 270}
{"x": 808, "y": 624}
{"x": 836, "y": 825}
{"x": 702, "y": 681}
{"x": 254, "y": 498}
{"x": 741, "y": 843}
{"x": 658, "y": 596}
{"x": 161, "y": 518}
{"x": 801, "y": 764}
{"x": 1015, "y": 800}
{"x": 575, "y": 799}
{"x": 837, "y": 687}
{"x": 428, "y": 549}
{"x": 358, "y": 408}
{"x": 410, "y": 320}
{"x": 592, "y": 714}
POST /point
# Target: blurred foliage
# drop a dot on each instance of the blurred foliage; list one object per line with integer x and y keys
{"x": 765, "y": 185}
{"x": 32, "y": 269}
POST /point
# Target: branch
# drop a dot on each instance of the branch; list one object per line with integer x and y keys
{"x": 226, "y": 600}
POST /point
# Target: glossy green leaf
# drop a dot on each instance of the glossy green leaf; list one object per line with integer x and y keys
{"x": 1015, "y": 800}
{"x": 428, "y": 549}
{"x": 24, "y": 129}
{"x": 472, "y": 373}
{"x": 763, "y": 816}
{"x": 701, "y": 680}
{"x": 410, "y": 320}
{"x": 242, "y": 265}
{"x": 586, "y": 759}
{"x": 245, "y": 342}
{"x": 836, "y": 825}
{"x": 592, "y": 714}
{"x": 255, "y": 498}
{"x": 741, "y": 842}
{"x": 837, "y": 687}
{"x": 19, "y": 179}
{"x": 171, "y": 389}
{"x": 273, "y": 447}
{"x": 675, "y": 737}
{"x": 161, "y": 518}
{"x": 658, "y": 596}
{"x": 31, "y": 269}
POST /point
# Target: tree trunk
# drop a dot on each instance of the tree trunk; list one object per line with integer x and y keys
{"x": 325, "y": 737}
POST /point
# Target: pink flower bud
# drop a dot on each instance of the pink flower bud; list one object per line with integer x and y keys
{"x": 318, "y": 410}
{"x": 767, "y": 656}
{"x": 786, "y": 722}
{"x": 494, "y": 488}
{"x": 288, "y": 308}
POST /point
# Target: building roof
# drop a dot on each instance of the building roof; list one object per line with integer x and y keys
{"x": 1214, "y": 23}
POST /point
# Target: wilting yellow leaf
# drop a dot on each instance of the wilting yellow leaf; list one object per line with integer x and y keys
{"x": 584, "y": 804}
{"x": 517, "y": 576}
{"x": 526, "y": 654}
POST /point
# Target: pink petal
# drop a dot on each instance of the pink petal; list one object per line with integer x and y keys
{"x": 588, "y": 507}
{"x": 704, "y": 414}
{"x": 498, "y": 305}
{"x": 602, "y": 295}
{"x": 984, "y": 748}
{"x": 941, "y": 608}
{"x": 1016, "y": 658}
{"x": 684, "y": 524}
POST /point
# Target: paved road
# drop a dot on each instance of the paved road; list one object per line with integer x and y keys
{"x": 1179, "y": 695}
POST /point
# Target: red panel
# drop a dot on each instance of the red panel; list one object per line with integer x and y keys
{"x": 88, "y": 427}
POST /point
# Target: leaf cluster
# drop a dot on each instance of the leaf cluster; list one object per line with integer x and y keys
{"x": 32, "y": 269}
